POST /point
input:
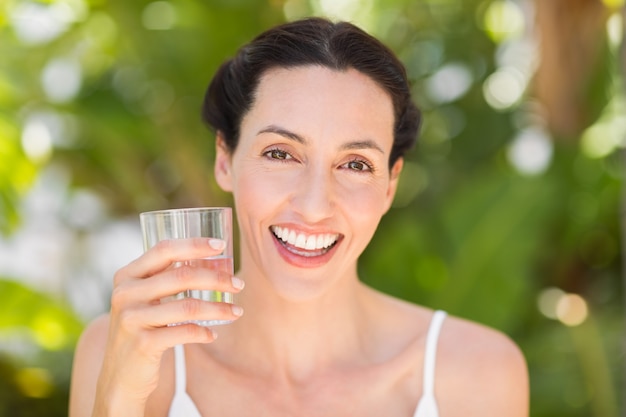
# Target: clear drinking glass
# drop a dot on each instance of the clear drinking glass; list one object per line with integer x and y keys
{"x": 212, "y": 222}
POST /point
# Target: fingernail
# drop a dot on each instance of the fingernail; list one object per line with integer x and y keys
{"x": 217, "y": 243}
{"x": 213, "y": 334}
{"x": 237, "y": 311}
{"x": 238, "y": 283}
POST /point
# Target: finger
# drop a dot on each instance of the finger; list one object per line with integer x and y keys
{"x": 153, "y": 342}
{"x": 167, "y": 337}
{"x": 171, "y": 282}
{"x": 166, "y": 252}
{"x": 178, "y": 311}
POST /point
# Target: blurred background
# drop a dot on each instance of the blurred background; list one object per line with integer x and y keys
{"x": 508, "y": 211}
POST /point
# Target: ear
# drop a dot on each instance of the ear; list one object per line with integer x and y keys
{"x": 223, "y": 160}
{"x": 396, "y": 169}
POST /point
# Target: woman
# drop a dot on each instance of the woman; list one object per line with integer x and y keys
{"x": 312, "y": 120}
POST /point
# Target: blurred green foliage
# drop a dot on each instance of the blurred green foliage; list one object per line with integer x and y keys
{"x": 34, "y": 381}
{"x": 469, "y": 232}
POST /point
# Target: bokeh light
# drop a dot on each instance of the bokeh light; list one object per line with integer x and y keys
{"x": 61, "y": 79}
{"x": 48, "y": 330}
{"x": 548, "y": 300}
{"x": 570, "y": 309}
{"x": 295, "y": 9}
{"x": 531, "y": 151}
{"x": 36, "y": 23}
{"x": 503, "y": 19}
{"x": 602, "y": 138}
{"x": 615, "y": 29}
{"x": 34, "y": 382}
{"x": 45, "y": 129}
{"x": 504, "y": 88}
{"x": 348, "y": 10}
{"x": 37, "y": 140}
{"x": 449, "y": 83}
{"x": 614, "y": 4}
{"x": 159, "y": 15}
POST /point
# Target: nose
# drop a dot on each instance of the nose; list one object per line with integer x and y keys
{"x": 315, "y": 195}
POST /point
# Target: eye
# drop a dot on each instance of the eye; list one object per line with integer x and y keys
{"x": 358, "y": 165}
{"x": 278, "y": 154}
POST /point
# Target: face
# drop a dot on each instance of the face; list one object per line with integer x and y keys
{"x": 310, "y": 176}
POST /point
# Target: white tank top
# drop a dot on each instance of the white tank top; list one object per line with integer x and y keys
{"x": 183, "y": 406}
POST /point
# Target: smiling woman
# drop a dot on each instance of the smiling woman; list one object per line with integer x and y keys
{"x": 312, "y": 120}
{"x": 324, "y": 171}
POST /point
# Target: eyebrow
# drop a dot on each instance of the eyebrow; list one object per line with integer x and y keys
{"x": 359, "y": 144}
{"x": 283, "y": 132}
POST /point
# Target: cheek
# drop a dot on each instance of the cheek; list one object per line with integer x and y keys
{"x": 363, "y": 203}
{"x": 251, "y": 196}
{"x": 362, "y": 210}
{"x": 368, "y": 193}
{"x": 257, "y": 192}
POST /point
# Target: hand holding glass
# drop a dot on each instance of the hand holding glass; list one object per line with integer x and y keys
{"x": 186, "y": 223}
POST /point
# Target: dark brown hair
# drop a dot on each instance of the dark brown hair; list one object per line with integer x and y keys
{"x": 312, "y": 41}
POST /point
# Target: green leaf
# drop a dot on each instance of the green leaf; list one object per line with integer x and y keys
{"x": 49, "y": 323}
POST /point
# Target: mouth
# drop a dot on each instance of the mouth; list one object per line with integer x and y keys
{"x": 303, "y": 244}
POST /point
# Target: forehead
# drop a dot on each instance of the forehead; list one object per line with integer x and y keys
{"x": 321, "y": 101}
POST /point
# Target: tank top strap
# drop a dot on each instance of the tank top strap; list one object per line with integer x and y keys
{"x": 430, "y": 354}
{"x": 182, "y": 405}
{"x": 180, "y": 369}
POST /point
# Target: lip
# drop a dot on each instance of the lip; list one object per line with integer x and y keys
{"x": 302, "y": 261}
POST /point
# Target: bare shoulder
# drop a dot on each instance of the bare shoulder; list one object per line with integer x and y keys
{"x": 96, "y": 331}
{"x": 92, "y": 342}
{"x": 88, "y": 359}
{"x": 480, "y": 372}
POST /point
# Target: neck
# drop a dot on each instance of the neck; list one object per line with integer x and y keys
{"x": 295, "y": 338}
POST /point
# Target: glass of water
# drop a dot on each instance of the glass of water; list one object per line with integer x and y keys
{"x": 211, "y": 222}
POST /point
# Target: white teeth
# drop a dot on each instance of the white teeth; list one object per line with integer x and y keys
{"x": 291, "y": 239}
{"x": 310, "y": 243}
{"x": 302, "y": 241}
